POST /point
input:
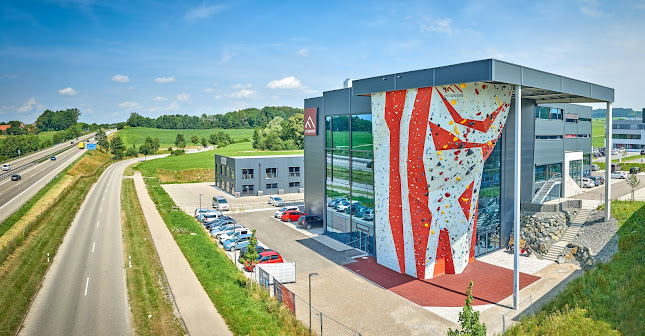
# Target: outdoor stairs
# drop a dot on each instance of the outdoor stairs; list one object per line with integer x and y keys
{"x": 572, "y": 231}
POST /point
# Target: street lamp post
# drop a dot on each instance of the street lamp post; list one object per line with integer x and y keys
{"x": 310, "y": 275}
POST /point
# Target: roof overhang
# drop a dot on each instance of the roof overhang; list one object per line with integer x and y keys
{"x": 541, "y": 86}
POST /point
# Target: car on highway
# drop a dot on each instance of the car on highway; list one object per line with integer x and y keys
{"x": 220, "y": 230}
{"x": 233, "y": 234}
{"x": 267, "y": 257}
{"x": 276, "y": 201}
{"x": 6, "y": 167}
{"x": 16, "y": 177}
{"x": 238, "y": 242}
{"x": 588, "y": 183}
{"x": 309, "y": 221}
{"x": 619, "y": 174}
{"x": 278, "y": 214}
{"x": 334, "y": 202}
{"x": 292, "y": 216}
{"x": 634, "y": 170}
{"x": 598, "y": 180}
{"x": 71, "y": 142}
{"x": 53, "y": 158}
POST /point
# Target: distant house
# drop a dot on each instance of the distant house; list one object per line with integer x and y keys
{"x": 3, "y": 128}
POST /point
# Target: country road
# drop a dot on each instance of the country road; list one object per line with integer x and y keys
{"x": 84, "y": 292}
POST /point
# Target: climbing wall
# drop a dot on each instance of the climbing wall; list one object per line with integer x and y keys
{"x": 430, "y": 145}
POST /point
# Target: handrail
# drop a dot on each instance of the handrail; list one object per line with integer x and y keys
{"x": 555, "y": 177}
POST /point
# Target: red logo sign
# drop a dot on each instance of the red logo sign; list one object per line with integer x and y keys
{"x": 311, "y": 117}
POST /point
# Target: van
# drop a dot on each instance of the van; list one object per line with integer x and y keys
{"x": 220, "y": 203}
{"x": 6, "y": 167}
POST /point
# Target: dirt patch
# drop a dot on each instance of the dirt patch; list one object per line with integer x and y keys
{"x": 186, "y": 175}
{"x": 89, "y": 163}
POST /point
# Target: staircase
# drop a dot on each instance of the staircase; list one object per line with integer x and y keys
{"x": 572, "y": 231}
{"x": 546, "y": 188}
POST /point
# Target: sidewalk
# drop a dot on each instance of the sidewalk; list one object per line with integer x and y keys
{"x": 194, "y": 305}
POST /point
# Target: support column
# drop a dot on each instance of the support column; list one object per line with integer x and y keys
{"x": 608, "y": 126}
{"x": 516, "y": 196}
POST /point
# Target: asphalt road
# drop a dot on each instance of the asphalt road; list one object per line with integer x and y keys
{"x": 84, "y": 292}
{"x": 45, "y": 152}
{"x": 618, "y": 189}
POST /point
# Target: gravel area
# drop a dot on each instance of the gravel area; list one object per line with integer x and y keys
{"x": 600, "y": 237}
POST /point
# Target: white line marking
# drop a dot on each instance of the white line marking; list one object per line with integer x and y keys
{"x": 101, "y": 209}
{"x": 93, "y": 247}
{"x": 97, "y": 223}
{"x": 87, "y": 284}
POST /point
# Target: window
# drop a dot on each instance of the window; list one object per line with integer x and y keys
{"x": 540, "y": 173}
{"x": 272, "y": 186}
{"x": 294, "y": 171}
{"x": 232, "y": 173}
{"x": 571, "y": 120}
{"x": 247, "y": 190}
{"x": 568, "y": 136}
{"x": 626, "y": 136}
{"x": 247, "y": 174}
{"x": 548, "y": 137}
{"x": 272, "y": 173}
{"x": 546, "y": 171}
{"x": 583, "y": 135}
{"x": 621, "y": 126}
{"x": 294, "y": 184}
{"x": 584, "y": 119}
{"x": 548, "y": 113}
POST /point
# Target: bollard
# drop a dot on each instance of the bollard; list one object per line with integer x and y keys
{"x": 321, "y": 327}
{"x": 130, "y": 261}
{"x": 503, "y": 324}
{"x": 48, "y": 257}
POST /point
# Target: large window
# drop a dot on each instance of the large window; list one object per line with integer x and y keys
{"x": 340, "y": 132}
{"x": 488, "y": 211}
{"x": 362, "y": 132}
{"x": 626, "y": 136}
{"x": 575, "y": 171}
{"x": 548, "y": 113}
{"x": 547, "y": 171}
{"x": 247, "y": 174}
{"x": 548, "y": 137}
{"x": 272, "y": 173}
{"x": 294, "y": 171}
{"x": 247, "y": 189}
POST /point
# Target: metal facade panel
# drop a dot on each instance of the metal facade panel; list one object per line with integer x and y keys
{"x": 374, "y": 84}
{"x": 576, "y": 87}
{"x": 336, "y": 102}
{"x": 570, "y": 128}
{"x": 542, "y": 80}
{"x": 602, "y": 93}
{"x": 549, "y": 127}
{"x": 549, "y": 151}
{"x": 415, "y": 79}
{"x": 361, "y": 105}
{"x": 506, "y": 72}
{"x": 478, "y": 71}
{"x": 314, "y": 165}
{"x": 584, "y": 111}
{"x": 584, "y": 127}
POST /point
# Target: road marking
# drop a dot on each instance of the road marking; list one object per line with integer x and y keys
{"x": 87, "y": 284}
{"x": 97, "y": 223}
{"x": 104, "y": 197}
{"x": 101, "y": 209}
{"x": 93, "y": 247}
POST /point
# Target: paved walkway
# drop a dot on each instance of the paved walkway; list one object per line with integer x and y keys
{"x": 194, "y": 305}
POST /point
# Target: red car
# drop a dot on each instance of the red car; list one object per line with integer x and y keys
{"x": 266, "y": 257}
{"x": 292, "y": 216}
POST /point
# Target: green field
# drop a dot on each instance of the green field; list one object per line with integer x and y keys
{"x": 360, "y": 140}
{"x": 204, "y": 160}
{"x": 137, "y": 135}
{"x": 598, "y": 132}
{"x": 42, "y": 136}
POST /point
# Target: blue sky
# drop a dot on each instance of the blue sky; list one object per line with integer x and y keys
{"x": 109, "y": 58}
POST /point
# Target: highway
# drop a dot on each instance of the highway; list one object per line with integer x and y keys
{"x": 84, "y": 292}
{"x": 15, "y": 163}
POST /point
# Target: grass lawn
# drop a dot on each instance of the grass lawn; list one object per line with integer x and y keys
{"x": 598, "y": 132}
{"x": 610, "y": 295}
{"x": 137, "y": 135}
{"x": 146, "y": 282}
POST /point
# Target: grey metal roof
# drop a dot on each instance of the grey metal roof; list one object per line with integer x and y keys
{"x": 541, "y": 86}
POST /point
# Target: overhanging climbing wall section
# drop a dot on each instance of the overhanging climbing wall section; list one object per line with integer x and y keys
{"x": 430, "y": 145}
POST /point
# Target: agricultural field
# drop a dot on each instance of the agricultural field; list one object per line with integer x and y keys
{"x": 42, "y": 136}
{"x": 137, "y": 135}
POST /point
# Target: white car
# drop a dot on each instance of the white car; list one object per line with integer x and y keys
{"x": 6, "y": 167}
{"x": 344, "y": 207}
{"x": 619, "y": 174}
{"x": 588, "y": 183}
{"x": 276, "y": 201}
{"x": 236, "y": 232}
{"x": 595, "y": 167}
{"x": 279, "y": 213}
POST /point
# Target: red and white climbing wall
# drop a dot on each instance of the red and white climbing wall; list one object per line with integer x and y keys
{"x": 430, "y": 145}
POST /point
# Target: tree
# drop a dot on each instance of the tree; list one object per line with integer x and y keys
{"x": 180, "y": 141}
{"x": 251, "y": 255}
{"x": 116, "y": 147}
{"x": 633, "y": 181}
{"x": 132, "y": 151}
{"x": 155, "y": 145}
{"x": 194, "y": 139}
{"x": 204, "y": 144}
{"x": 469, "y": 319}
{"x": 145, "y": 150}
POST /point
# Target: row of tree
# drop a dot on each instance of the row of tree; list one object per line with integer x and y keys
{"x": 280, "y": 134}
{"x": 246, "y": 118}
{"x": 15, "y": 145}
{"x": 220, "y": 139}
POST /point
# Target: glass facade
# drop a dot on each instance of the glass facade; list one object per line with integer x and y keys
{"x": 575, "y": 171}
{"x": 488, "y": 210}
{"x": 549, "y": 113}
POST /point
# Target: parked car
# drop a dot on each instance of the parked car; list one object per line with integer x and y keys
{"x": 309, "y": 221}
{"x": 233, "y": 234}
{"x": 259, "y": 249}
{"x": 369, "y": 215}
{"x": 16, "y": 177}
{"x": 210, "y": 225}
{"x": 209, "y": 216}
{"x": 200, "y": 211}
{"x": 276, "y": 201}
{"x": 238, "y": 242}
{"x": 619, "y": 174}
{"x": 292, "y": 216}
{"x": 634, "y": 170}
{"x": 334, "y": 202}
{"x": 588, "y": 183}
{"x": 220, "y": 203}
{"x": 53, "y": 158}
{"x": 598, "y": 180}
{"x": 353, "y": 208}
{"x": 220, "y": 230}
{"x": 595, "y": 167}
{"x": 642, "y": 151}
{"x": 267, "y": 257}
{"x": 345, "y": 205}
{"x": 361, "y": 212}
{"x": 6, "y": 167}
{"x": 278, "y": 214}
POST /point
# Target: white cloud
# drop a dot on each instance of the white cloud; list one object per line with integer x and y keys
{"x": 161, "y": 98}
{"x": 129, "y": 105}
{"x": 173, "y": 107}
{"x": 241, "y": 86}
{"x": 89, "y": 110}
{"x": 244, "y": 93}
{"x": 68, "y": 92}
{"x": 437, "y": 25}
{"x": 163, "y": 80}
{"x": 203, "y": 11}
{"x": 285, "y": 83}
{"x": 590, "y": 8}
{"x": 303, "y": 52}
{"x": 121, "y": 79}
{"x": 218, "y": 97}
{"x": 211, "y": 89}
{"x": 29, "y": 105}
{"x": 183, "y": 97}
{"x": 227, "y": 55}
